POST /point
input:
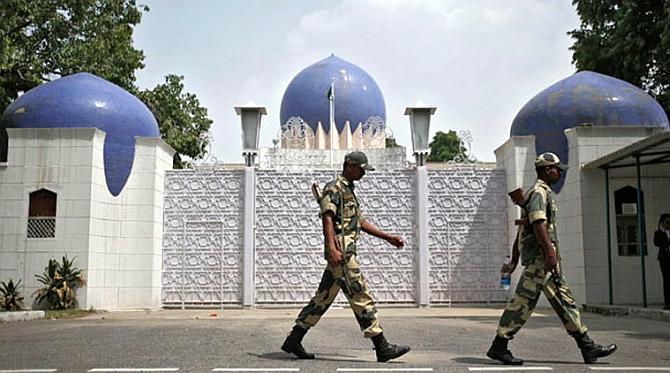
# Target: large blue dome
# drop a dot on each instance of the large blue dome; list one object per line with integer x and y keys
{"x": 85, "y": 100}
{"x": 584, "y": 98}
{"x": 357, "y": 96}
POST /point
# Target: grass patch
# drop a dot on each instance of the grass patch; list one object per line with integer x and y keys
{"x": 67, "y": 314}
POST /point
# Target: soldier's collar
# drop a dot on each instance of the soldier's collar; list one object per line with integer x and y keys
{"x": 346, "y": 181}
{"x": 542, "y": 183}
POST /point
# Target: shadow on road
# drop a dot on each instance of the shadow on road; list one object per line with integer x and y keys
{"x": 322, "y": 357}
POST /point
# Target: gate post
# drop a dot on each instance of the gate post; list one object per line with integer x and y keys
{"x": 249, "y": 249}
{"x": 422, "y": 229}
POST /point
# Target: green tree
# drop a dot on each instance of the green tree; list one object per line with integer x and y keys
{"x": 445, "y": 147}
{"x": 627, "y": 39}
{"x": 41, "y": 40}
{"x": 182, "y": 121}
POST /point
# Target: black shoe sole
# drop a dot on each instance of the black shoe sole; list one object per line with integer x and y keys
{"x": 301, "y": 357}
{"x": 594, "y": 359}
{"x": 505, "y": 362}
{"x": 383, "y": 360}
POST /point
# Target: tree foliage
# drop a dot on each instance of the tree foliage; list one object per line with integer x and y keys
{"x": 60, "y": 281}
{"x": 182, "y": 121}
{"x": 45, "y": 39}
{"x": 446, "y": 147}
{"x": 627, "y": 39}
{"x": 42, "y": 40}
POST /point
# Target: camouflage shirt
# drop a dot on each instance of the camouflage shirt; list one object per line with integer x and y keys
{"x": 540, "y": 205}
{"x": 338, "y": 197}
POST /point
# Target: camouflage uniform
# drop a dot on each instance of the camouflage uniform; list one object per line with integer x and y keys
{"x": 339, "y": 199}
{"x": 540, "y": 205}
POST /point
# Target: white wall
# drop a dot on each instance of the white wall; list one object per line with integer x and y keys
{"x": 117, "y": 240}
{"x": 582, "y": 224}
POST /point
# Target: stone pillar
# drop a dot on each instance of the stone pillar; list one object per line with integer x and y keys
{"x": 249, "y": 249}
{"x": 422, "y": 228}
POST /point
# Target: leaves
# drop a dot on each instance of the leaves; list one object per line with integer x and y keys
{"x": 11, "y": 299}
{"x": 183, "y": 123}
{"x": 41, "y": 40}
{"x": 445, "y": 147}
{"x": 60, "y": 281}
{"x": 627, "y": 39}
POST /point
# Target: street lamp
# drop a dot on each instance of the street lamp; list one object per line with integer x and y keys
{"x": 419, "y": 120}
{"x": 250, "y": 114}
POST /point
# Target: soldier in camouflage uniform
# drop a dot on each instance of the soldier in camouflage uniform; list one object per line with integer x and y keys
{"x": 342, "y": 222}
{"x": 540, "y": 255}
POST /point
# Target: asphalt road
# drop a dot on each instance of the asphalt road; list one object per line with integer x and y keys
{"x": 448, "y": 340}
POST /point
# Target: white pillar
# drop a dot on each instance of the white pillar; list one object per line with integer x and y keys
{"x": 423, "y": 257}
{"x": 249, "y": 249}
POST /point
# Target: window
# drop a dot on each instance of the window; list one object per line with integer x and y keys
{"x": 4, "y": 145}
{"x": 42, "y": 214}
{"x": 625, "y": 202}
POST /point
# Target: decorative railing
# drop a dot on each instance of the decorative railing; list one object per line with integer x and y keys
{"x": 41, "y": 227}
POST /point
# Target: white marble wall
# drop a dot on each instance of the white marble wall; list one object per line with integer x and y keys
{"x": 117, "y": 240}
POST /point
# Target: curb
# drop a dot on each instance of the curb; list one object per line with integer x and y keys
{"x": 645, "y": 313}
{"x": 21, "y": 316}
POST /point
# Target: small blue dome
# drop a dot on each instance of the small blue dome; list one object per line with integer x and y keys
{"x": 357, "y": 96}
{"x": 584, "y": 98}
{"x": 85, "y": 100}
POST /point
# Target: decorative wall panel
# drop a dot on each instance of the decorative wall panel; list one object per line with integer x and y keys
{"x": 468, "y": 234}
{"x": 202, "y": 248}
{"x": 289, "y": 238}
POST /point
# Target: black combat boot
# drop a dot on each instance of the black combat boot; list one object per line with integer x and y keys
{"x": 499, "y": 351}
{"x": 591, "y": 351}
{"x": 293, "y": 343}
{"x": 387, "y": 351}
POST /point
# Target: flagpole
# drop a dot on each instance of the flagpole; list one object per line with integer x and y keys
{"x": 331, "y": 99}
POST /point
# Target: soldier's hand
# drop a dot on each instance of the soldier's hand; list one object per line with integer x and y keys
{"x": 334, "y": 256}
{"x": 396, "y": 241}
{"x": 508, "y": 268}
{"x": 551, "y": 263}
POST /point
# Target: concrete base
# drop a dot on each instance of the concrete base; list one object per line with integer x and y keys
{"x": 635, "y": 311}
{"x": 21, "y": 316}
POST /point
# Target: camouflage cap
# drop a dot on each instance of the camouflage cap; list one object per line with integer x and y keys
{"x": 549, "y": 159}
{"x": 359, "y": 158}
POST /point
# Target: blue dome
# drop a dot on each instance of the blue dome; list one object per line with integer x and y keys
{"x": 85, "y": 100}
{"x": 357, "y": 96}
{"x": 584, "y": 98}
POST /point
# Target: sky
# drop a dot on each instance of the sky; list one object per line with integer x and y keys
{"x": 477, "y": 61}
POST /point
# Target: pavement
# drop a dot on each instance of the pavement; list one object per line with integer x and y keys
{"x": 239, "y": 340}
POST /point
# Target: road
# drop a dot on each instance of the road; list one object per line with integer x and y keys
{"x": 442, "y": 340}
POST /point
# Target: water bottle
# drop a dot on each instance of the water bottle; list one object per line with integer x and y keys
{"x": 506, "y": 277}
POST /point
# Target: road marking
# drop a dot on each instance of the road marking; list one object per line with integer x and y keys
{"x": 384, "y": 369}
{"x": 256, "y": 370}
{"x": 28, "y": 370}
{"x": 500, "y": 369}
{"x": 133, "y": 370}
{"x": 631, "y": 368}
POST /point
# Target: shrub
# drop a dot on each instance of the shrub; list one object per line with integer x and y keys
{"x": 10, "y": 297}
{"x": 60, "y": 281}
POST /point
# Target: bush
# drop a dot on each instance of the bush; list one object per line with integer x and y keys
{"x": 10, "y": 297}
{"x": 60, "y": 281}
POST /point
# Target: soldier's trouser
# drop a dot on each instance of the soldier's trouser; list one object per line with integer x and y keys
{"x": 535, "y": 280}
{"x": 356, "y": 290}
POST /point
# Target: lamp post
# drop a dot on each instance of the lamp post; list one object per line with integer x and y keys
{"x": 419, "y": 121}
{"x": 250, "y": 115}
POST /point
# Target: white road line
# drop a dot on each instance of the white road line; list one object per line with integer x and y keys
{"x": 503, "y": 369}
{"x": 658, "y": 369}
{"x": 28, "y": 370}
{"x": 256, "y": 370}
{"x": 384, "y": 369}
{"x": 133, "y": 370}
